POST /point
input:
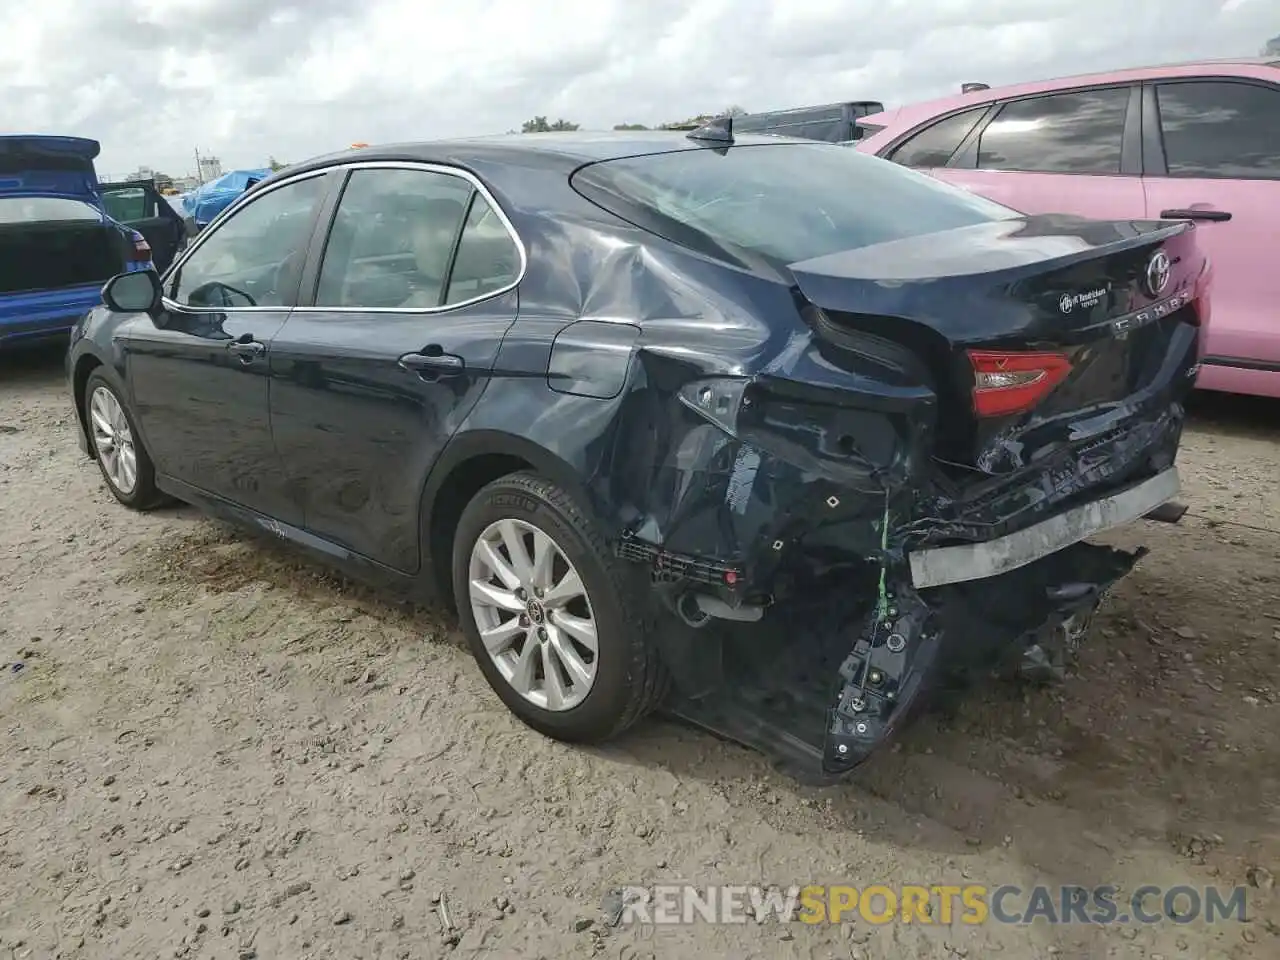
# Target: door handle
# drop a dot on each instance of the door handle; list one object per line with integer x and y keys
{"x": 433, "y": 363}
{"x": 247, "y": 350}
{"x": 1218, "y": 216}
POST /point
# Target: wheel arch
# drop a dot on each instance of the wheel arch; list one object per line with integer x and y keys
{"x": 471, "y": 461}
{"x": 85, "y": 364}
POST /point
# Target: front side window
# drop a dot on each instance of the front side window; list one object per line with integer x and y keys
{"x": 1079, "y": 132}
{"x": 783, "y": 202}
{"x": 254, "y": 258}
{"x": 393, "y": 239}
{"x": 1220, "y": 129}
{"x": 934, "y": 145}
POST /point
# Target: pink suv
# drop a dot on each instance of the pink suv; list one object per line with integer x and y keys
{"x": 1197, "y": 141}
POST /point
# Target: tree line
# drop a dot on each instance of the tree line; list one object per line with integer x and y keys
{"x": 542, "y": 125}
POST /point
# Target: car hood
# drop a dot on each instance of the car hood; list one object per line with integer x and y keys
{"x": 33, "y": 165}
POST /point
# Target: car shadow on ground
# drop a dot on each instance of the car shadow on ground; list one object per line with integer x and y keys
{"x": 33, "y": 365}
{"x": 1235, "y": 415}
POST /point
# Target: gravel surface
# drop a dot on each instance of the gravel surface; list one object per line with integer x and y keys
{"x": 216, "y": 748}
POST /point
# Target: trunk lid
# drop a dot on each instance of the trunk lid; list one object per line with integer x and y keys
{"x": 1110, "y": 303}
{"x": 32, "y": 165}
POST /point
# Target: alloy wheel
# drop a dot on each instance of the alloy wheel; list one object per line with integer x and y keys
{"x": 533, "y": 614}
{"x": 113, "y": 440}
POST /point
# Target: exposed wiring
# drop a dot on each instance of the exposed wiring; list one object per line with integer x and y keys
{"x": 882, "y": 604}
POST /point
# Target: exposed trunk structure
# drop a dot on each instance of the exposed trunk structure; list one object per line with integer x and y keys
{"x": 46, "y": 256}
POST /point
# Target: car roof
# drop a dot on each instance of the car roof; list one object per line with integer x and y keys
{"x": 915, "y": 112}
{"x": 568, "y": 150}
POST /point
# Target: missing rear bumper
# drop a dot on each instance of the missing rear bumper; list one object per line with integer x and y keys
{"x": 820, "y": 686}
{"x": 940, "y": 566}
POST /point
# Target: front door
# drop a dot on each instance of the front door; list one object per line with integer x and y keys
{"x": 1218, "y": 164}
{"x": 140, "y": 206}
{"x": 200, "y": 376}
{"x": 412, "y": 298}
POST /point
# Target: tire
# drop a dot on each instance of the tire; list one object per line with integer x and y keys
{"x": 628, "y": 677}
{"x": 142, "y": 493}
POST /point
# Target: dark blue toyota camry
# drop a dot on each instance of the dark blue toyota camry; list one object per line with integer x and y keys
{"x": 772, "y": 434}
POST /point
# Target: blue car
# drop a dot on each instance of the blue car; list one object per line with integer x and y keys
{"x": 58, "y": 246}
{"x": 205, "y": 202}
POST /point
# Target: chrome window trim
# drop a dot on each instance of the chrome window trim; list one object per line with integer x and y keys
{"x": 424, "y": 166}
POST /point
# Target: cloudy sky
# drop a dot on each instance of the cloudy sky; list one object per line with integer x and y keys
{"x": 246, "y": 79}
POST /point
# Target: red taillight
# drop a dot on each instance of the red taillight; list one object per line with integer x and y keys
{"x": 1006, "y": 382}
{"x": 141, "y": 251}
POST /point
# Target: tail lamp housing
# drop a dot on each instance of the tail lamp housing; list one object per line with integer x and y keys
{"x": 1008, "y": 382}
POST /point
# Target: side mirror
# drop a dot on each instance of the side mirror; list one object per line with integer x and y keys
{"x": 133, "y": 292}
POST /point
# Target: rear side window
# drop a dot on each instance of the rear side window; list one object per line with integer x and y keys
{"x": 487, "y": 259}
{"x": 1220, "y": 129}
{"x": 412, "y": 240}
{"x": 392, "y": 239}
{"x": 782, "y": 202}
{"x": 935, "y": 145}
{"x": 1079, "y": 132}
{"x": 128, "y": 203}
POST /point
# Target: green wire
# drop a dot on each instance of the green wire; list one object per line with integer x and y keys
{"x": 882, "y": 606}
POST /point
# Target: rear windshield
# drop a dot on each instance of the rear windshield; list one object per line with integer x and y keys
{"x": 41, "y": 209}
{"x": 781, "y": 202}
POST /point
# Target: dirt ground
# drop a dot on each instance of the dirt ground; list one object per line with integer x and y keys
{"x": 215, "y": 748}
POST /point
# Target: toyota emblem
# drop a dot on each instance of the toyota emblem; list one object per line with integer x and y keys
{"x": 1157, "y": 273}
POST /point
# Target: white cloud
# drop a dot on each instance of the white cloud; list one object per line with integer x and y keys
{"x": 155, "y": 79}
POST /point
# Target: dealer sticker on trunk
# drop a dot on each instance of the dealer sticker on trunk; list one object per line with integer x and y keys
{"x": 1086, "y": 299}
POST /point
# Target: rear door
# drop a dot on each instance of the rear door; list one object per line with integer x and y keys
{"x": 407, "y": 310}
{"x": 1216, "y": 160}
{"x": 139, "y": 205}
{"x": 1078, "y": 151}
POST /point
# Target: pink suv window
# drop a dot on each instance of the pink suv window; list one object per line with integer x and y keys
{"x": 1077, "y": 132}
{"x": 934, "y": 145}
{"x": 1220, "y": 128}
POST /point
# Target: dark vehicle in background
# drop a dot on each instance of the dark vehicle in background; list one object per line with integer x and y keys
{"x": 831, "y": 123}
{"x": 138, "y": 204}
{"x": 669, "y": 423}
{"x": 57, "y": 244}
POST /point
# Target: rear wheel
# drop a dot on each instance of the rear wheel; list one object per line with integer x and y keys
{"x": 551, "y": 617}
{"x": 121, "y": 457}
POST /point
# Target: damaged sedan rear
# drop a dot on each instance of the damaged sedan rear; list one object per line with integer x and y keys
{"x": 777, "y": 435}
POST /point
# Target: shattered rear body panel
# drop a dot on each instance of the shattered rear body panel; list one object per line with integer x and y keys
{"x": 773, "y": 480}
